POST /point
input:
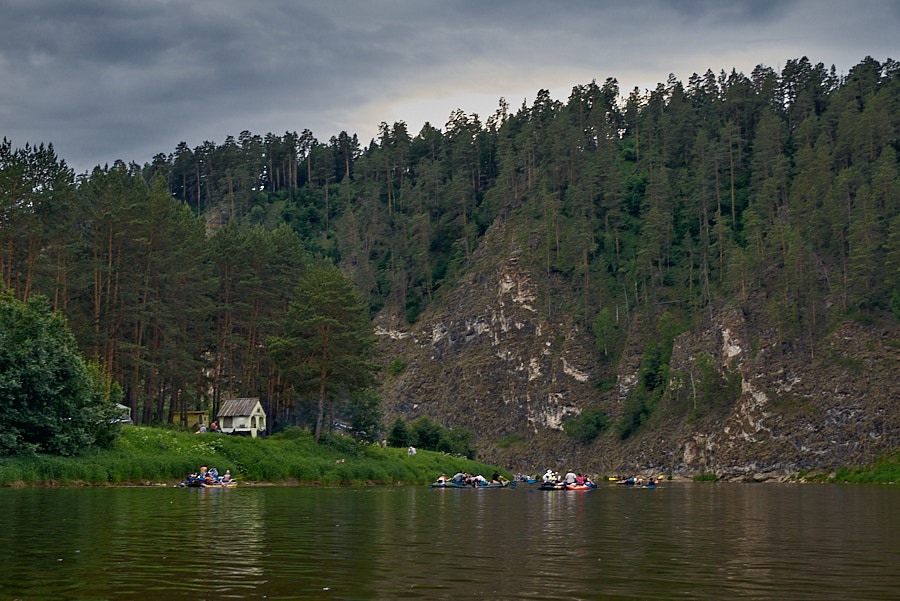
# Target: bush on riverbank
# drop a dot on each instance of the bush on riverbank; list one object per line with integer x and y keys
{"x": 142, "y": 455}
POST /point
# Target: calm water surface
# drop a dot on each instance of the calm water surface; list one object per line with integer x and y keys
{"x": 682, "y": 541}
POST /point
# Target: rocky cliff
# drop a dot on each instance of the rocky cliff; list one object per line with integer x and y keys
{"x": 496, "y": 355}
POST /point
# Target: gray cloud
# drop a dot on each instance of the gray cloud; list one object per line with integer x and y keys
{"x": 128, "y": 79}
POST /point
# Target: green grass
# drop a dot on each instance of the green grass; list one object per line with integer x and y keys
{"x": 151, "y": 455}
{"x": 882, "y": 471}
{"x": 705, "y": 478}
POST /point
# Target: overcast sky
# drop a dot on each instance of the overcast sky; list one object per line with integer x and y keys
{"x": 127, "y": 79}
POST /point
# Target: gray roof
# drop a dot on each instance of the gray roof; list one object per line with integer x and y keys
{"x": 238, "y": 407}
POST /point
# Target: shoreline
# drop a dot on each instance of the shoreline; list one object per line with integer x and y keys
{"x": 294, "y": 483}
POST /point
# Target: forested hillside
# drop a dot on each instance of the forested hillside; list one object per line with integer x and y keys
{"x": 777, "y": 192}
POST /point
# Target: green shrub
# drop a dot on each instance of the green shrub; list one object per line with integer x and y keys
{"x": 587, "y": 426}
{"x": 510, "y": 441}
{"x": 396, "y": 366}
{"x": 637, "y": 410}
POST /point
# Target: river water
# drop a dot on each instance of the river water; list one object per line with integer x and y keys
{"x": 681, "y": 541}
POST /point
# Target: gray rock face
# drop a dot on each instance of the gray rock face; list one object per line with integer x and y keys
{"x": 500, "y": 356}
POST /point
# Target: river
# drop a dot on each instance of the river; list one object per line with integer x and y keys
{"x": 680, "y": 541}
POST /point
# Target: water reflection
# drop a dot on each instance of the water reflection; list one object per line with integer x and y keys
{"x": 677, "y": 542}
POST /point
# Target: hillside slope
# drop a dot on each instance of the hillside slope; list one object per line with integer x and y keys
{"x": 496, "y": 356}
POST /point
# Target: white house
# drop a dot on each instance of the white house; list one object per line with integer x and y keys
{"x": 124, "y": 414}
{"x": 242, "y": 416}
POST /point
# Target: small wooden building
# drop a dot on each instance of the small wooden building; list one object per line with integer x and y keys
{"x": 242, "y": 416}
{"x": 192, "y": 419}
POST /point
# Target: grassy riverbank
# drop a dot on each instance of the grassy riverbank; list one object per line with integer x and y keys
{"x": 154, "y": 455}
{"x": 881, "y": 471}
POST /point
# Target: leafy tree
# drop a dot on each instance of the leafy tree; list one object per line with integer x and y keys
{"x": 399, "y": 433}
{"x": 426, "y": 433}
{"x": 51, "y": 401}
{"x": 366, "y": 415}
{"x": 327, "y": 342}
{"x": 457, "y": 441}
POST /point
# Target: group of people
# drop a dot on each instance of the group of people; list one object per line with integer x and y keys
{"x": 474, "y": 480}
{"x": 571, "y": 478}
{"x": 637, "y": 480}
{"x": 208, "y": 476}
{"x": 213, "y": 427}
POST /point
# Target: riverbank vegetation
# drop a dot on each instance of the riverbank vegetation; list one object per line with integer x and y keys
{"x": 144, "y": 455}
{"x": 881, "y": 471}
{"x": 426, "y": 434}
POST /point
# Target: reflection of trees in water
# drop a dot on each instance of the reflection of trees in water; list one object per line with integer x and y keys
{"x": 207, "y": 540}
{"x": 681, "y": 541}
{"x": 140, "y": 543}
{"x": 230, "y": 539}
{"x": 462, "y": 542}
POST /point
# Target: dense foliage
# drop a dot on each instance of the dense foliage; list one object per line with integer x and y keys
{"x": 52, "y": 402}
{"x": 776, "y": 188}
{"x": 587, "y": 426}
{"x": 327, "y": 341}
{"x": 425, "y": 433}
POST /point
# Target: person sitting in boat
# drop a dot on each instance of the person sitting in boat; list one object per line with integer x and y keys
{"x": 549, "y": 477}
{"x": 459, "y": 477}
{"x": 570, "y": 478}
{"x": 227, "y": 477}
{"x": 442, "y": 478}
{"x": 214, "y": 474}
{"x": 204, "y": 476}
{"x": 479, "y": 480}
{"x": 495, "y": 477}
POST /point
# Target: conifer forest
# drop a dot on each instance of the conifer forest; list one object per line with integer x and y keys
{"x": 179, "y": 276}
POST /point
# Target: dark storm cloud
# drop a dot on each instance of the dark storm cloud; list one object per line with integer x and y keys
{"x": 128, "y": 79}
